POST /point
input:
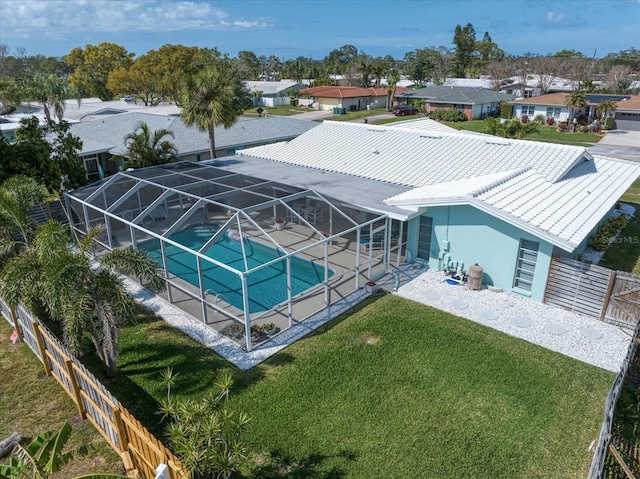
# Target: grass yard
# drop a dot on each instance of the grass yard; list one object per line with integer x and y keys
{"x": 393, "y": 389}
{"x": 31, "y": 403}
{"x": 282, "y": 110}
{"x": 624, "y": 254}
{"x": 548, "y": 134}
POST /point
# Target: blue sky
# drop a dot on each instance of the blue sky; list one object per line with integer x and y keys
{"x": 312, "y": 28}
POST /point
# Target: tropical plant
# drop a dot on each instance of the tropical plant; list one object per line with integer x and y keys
{"x": 205, "y": 434}
{"x": 213, "y": 97}
{"x": 48, "y": 271}
{"x": 393, "y": 77}
{"x": 513, "y": 128}
{"x": 575, "y": 100}
{"x": 145, "y": 148}
{"x": 606, "y": 108}
{"x": 46, "y": 455}
{"x": 52, "y": 91}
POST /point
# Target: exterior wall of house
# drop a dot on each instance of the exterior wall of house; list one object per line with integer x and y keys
{"x": 559, "y": 113}
{"x": 463, "y": 236}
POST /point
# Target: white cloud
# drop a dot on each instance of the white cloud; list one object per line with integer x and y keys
{"x": 60, "y": 18}
{"x": 555, "y": 18}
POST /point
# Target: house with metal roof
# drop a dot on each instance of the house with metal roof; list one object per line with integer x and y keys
{"x": 507, "y": 205}
{"x": 475, "y": 103}
{"x": 273, "y": 93}
{"x": 103, "y": 139}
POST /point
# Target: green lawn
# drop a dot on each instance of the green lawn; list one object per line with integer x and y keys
{"x": 548, "y": 134}
{"x": 32, "y": 403}
{"x": 283, "y": 110}
{"x": 624, "y": 255}
{"x": 394, "y": 389}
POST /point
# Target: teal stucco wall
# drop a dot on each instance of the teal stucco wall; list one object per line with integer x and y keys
{"x": 463, "y": 234}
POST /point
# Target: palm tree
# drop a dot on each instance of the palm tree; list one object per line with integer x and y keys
{"x": 52, "y": 91}
{"x": 149, "y": 149}
{"x": 575, "y": 100}
{"x": 606, "y": 108}
{"x": 213, "y": 97}
{"x": 51, "y": 272}
{"x": 393, "y": 77}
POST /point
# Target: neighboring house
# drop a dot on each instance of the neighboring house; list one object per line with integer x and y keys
{"x": 103, "y": 139}
{"x": 627, "y": 115}
{"x": 507, "y": 205}
{"x": 475, "y": 103}
{"x": 274, "y": 93}
{"x": 350, "y": 98}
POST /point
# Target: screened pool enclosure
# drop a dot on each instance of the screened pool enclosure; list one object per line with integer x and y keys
{"x": 247, "y": 256}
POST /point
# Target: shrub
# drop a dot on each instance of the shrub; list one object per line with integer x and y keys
{"x": 449, "y": 114}
{"x": 539, "y": 119}
{"x": 608, "y": 123}
{"x": 562, "y": 126}
{"x": 524, "y": 119}
{"x": 601, "y": 240}
{"x": 551, "y": 121}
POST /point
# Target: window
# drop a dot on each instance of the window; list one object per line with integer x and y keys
{"x": 528, "y": 110}
{"x": 198, "y": 157}
{"x": 424, "y": 237}
{"x": 553, "y": 112}
{"x": 526, "y": 266}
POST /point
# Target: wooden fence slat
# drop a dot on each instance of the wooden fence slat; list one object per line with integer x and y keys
{"x": 76, "y": 390}
{"x": 623, "y": 465}
{"x": 43, "y": 354}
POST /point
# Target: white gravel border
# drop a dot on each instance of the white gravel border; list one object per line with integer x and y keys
{"x": 575, "y": 335}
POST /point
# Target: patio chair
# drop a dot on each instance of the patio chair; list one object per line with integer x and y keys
{"x": 314, "y": 215}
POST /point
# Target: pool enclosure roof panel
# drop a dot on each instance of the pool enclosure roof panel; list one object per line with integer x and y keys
{"x": 160, "y": 201}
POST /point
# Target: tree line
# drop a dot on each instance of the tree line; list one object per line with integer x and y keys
{"x": 107, "y": 70}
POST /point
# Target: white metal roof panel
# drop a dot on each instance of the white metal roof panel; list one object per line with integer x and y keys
{"x": 568, "y": 209}
{"x": 414, "y": 157}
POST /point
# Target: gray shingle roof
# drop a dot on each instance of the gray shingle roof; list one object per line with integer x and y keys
{"x": 109, "y": 133}
{"x": 459, "y": 95}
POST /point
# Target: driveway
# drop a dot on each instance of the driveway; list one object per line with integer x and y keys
{"x": 624, "y": 144}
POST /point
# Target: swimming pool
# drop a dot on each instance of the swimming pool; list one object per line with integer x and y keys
{"x": 267, "y": 287}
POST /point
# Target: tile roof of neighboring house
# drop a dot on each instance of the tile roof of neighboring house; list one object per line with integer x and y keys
{"x": 109, "y": 133}
{"x": 343, "y": 92}
{"x": 457, "y": 94}
{"x": 557, "y": 192}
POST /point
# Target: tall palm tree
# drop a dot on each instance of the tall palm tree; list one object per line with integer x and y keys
{"x": 575, "y": 100}
{"x": 213, "y": 97}
{"x": 145, "y": 148}
{"x": 53, "y": 273}
{"x": 393, "y": 77}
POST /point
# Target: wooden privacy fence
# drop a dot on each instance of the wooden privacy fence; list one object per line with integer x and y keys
{"x": 612, "y": 296}
{"x": 140, "y": 451}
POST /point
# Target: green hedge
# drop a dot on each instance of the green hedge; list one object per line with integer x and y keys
{"x": 610, "y": 228}
{"x": 449, "y": 114}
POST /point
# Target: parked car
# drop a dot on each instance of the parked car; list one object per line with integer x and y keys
{"x": 401, "y": 110}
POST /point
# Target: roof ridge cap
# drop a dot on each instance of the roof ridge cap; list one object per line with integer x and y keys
{"x": 499, "y": 181}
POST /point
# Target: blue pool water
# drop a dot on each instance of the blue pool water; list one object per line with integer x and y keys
{"x": 267, "y": 287}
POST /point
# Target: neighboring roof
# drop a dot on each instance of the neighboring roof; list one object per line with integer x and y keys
{"x": 623, "y": 103}
{"x": 272, "y": 87}
{"x": 487, "y": 84}
{"x": 459, "y": 95}
{"x": 556, "y": 192}
{"x": 108, "y": 133}
{"x": 88, "y": 110}
{"x": 343, "y": 92}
